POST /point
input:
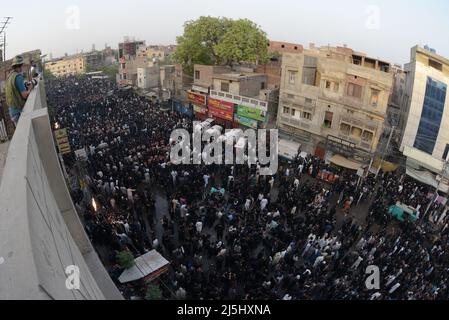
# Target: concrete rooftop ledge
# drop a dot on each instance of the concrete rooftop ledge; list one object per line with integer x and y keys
{"x": 3, "y": 154}
{"x": 40, "y": 232}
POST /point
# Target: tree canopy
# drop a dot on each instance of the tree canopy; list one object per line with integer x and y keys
{"x": 221, "y": 41}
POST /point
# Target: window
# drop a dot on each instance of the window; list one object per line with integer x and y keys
{"x": 225, "y": 86}
{"x": 293, "y": 112}
{"x": 307, "y": 115}
{"x": 262, "y": 86}
{"x": 309, "y": 71}
{"x": 431, "y": 117}
{"x": 286, "y": 110}
{"x": 354, "y": 90}
{"x": 336, "y": 87}
{"x": 435, "y": 64}
{"x": 356, "y": 132}
{"x": 375, "y": 97}
{"x": 357, "y": 60}
{"x": 328, "y": 120}
{"x": 367, "y": 136}
{"x": 309, "y": 76}
{"x": 292, "y": 77}
{"x": 197, "y": 74}
{"x": 328, "y": 85}
{"x": 345, "y": 128}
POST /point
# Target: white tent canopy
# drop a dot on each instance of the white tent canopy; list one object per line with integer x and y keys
{"x": 288, "y": 149}
{"x": 144, "y": 265}
{"x": 427, "y": 178}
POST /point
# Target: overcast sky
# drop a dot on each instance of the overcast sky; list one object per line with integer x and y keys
{"x": 383, "y": 29}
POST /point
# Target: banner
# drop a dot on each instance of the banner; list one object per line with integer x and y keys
{"x": 62, "y": 141}
{"x": 196, "y": 98}
{"x": 246, "y": 121}
{"x": 183, "y": 109}
{"x": 251, "y": 113}
{"x": 221, "y": 109}
{"x": 198, "y": 109}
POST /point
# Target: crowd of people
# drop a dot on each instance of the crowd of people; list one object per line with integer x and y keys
{"x": 230, "y": 233}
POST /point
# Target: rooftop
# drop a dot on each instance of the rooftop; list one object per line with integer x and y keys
{"x": 236, "y": 76}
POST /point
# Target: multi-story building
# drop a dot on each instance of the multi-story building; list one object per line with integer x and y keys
{"x": 396, "y": 109}
{"x": 67, "y": 65}
{"x": 334, "y": 100}
{"x": 204, "y": 75}
{"x": 148, "y": 77}
{"x": 167, "y": 78}
{"x": 129, "y": 48}
{"x": 243, "y": 84}
{"x": 232, "y": 96}
{"x": 95, "y": 59}
{"x": 425, "y": 140}
{"x": 183, "y": 83}
{"x": 128, "y": 70}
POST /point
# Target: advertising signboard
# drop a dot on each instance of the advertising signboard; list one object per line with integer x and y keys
{"x": 251, "y": 113}
{"x": 196, "y": 98}
{"x": 246, "y": 121}
{"x": 62, "y": 141}
{"x": 198, "y": 109}
{"x": 221, "y": 109}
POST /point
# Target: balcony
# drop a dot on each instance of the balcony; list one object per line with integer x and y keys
{"x": 40, "y": 231}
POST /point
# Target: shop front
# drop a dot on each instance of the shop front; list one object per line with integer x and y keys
{"x": 222, "y": 112}
{"x": 201, "y": 113}
{"x": 248, "y": 115}
{"x": 245, "y": 122}
{"x": 182, "y": 108}
{"x": 199, "y": 102}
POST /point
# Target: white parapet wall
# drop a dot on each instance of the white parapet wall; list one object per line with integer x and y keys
{"x": 41, "y": 234}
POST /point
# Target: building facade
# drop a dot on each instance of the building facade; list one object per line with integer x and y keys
{"x": 425, "y": 140}
{"x": 334, "y": 99}
{"x": 67, "y": 66}
{"x": 148, "y": 77}
{"x": 128, "y": 70}
{"x": 167, "y": 76}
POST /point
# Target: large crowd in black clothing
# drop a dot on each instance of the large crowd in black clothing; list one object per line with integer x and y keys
{"x": 231, "y": 233}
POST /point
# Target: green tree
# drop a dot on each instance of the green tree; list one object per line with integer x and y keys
{"x": 244, "y": 42}
{"x": 125, "y": 259}
{"x": 153, "y": 293}
{"x": 210, "y": 40}
{"x": 48, "y": 75}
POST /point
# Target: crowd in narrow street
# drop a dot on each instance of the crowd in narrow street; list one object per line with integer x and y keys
{"x": 231, "y": 233}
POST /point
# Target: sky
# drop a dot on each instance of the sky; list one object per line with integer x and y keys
{"x": 383, "y": 29}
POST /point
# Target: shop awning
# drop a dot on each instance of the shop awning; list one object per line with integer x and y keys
{"x": 345, "y": 163}
{"x": 150, "y": 264}
{"x": 386, "y": 166}
{"x": 426, "y": 177}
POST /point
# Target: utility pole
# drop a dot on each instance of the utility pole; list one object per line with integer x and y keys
{"x": 443, "y": 175}
{"x": 3, "y": 28}
{"x": 393, "y": 128}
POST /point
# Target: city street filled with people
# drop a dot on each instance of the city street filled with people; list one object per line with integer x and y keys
{"x": 231, "y": 233}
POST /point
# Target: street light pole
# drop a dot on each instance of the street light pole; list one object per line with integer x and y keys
{"x": 393, "y": 128}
